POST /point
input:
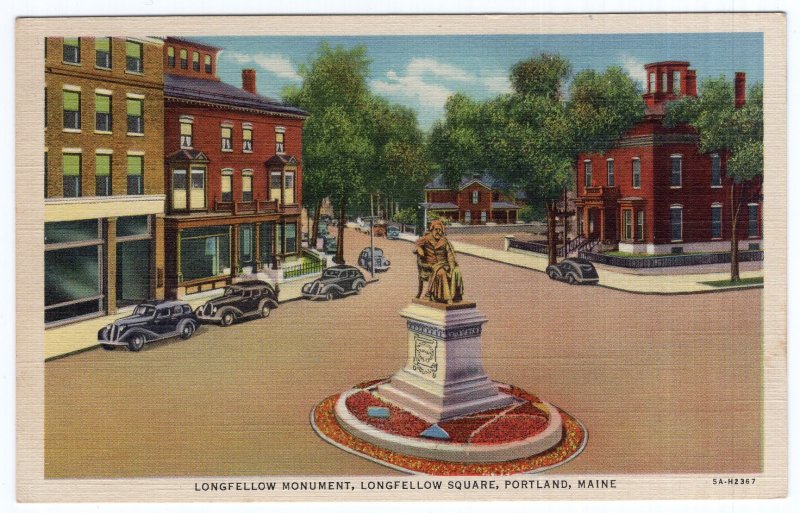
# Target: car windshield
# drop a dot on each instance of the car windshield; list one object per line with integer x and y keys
{"x": 330, "y": 273}
{"x": 144, "y": 310}
{"x": 233, "y": 291}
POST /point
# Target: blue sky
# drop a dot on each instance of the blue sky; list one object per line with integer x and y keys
{"x": 422, "y": 71}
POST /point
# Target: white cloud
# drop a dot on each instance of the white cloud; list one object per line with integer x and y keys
{"x": 422, "y": 65}
{"x": 634, "y": 68}
{"x": 277, "y": 64}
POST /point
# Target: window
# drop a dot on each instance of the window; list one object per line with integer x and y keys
{"x": 716, "y": 171}
{"x": 207, "y": 59}
{"x": 135, "y": 117}
{"x": 246, "y": 245}
{"x": 227, "y": 185}
{"x": 179, "y": 189}
{"x": 676, "y": 222}
{"x": 171, "y": 57}
{"x": 198, "y": 188}
{"x": 226, "y": 138}
{"x": 247, "y": 186}
{"x": 610, "y": 172}
{"x": 636, "y": 172}
{"x": 204, "y": 252}
{"x": 72, "y": 175}
{"x": 290, "y": 238}
{"x": 275, "y": 186}
{"x": 664, "y": 82}
{"x": 651, "y": 83}
{"x": 676, "y": 166}
{"x": 676, "y": 82}
{"x": 133, "y": 57}
{"x": 640, "y": 225}
{"x": 483, "y": 216}
{"x": 195, "y": 61}
{"x": 72, "y": 50}
{"x": 288, "y": 186}
{"x": 476, "y": 196}
{"x": 752, "y": 219}
{"x": 716, "y": 221}
{"x": 279, "y": 140}
{"x": 186, "y": 132}
{"x": 102, "y": 175}
{"x": 135, "y": 174}
{"x": 627, "y": 222}
{"x": 73, "y": 270}
{"x": 72, "y": 110}
{"x": 247, "y": 139}
{"x": 587, "y": 173}
{"x": 102, "y": 113}
{"x": 468, "y": 217}
{"x": 184, "y": 59}
{"x": 102, "y": 52}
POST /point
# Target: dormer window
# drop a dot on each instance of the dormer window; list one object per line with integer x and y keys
{"x": 184, "y": 59}
{"x": 208, "y": 63}
{"x": 651, "y": 83}
{"x": 195, "y": 61}
{"x": 664, "y": 82}
{"x": 676, "y": 82}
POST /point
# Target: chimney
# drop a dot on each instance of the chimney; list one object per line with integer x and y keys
{"x": 249, "y": 80}
{"x": 739, "y": 89}
{"x": 691, "y": 83}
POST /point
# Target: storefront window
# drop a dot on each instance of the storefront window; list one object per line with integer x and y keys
{"x": 205, "y": 252}
{"x": 132, "y": 226}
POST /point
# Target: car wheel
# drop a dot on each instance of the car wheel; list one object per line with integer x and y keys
{"x": 358, "y": 288}
{"x": 108, "y": 347}
{"x": 228, "y": 318}
{"x": 136, "y": 343}
{"x": 187, "y": 331}
{"x": 329, "y": 296}
{"x": 571, "y": 279}
{"x": 265, "y": 310}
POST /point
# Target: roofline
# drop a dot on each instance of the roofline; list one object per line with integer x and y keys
{"x": 474, "y": 180}
{"x": 275, "y": 112}
{"x": 198, "y": 44}
{"x": 668, "y": 63}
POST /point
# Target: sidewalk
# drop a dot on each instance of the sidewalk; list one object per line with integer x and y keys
{"x": 79, "y": 336}
{"x": 610, "y": 277}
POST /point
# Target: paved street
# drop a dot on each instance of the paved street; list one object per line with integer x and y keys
{"x": 666, "y": 384}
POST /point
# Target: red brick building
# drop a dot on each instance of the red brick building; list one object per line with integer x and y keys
{"x": 478, "y": 199}
{"x": 233, "y": 177}
{"x": 653, "y": 192}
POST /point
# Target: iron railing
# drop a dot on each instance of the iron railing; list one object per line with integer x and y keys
{"x": 303, "y": 269}
{"x": 670, "y": 260}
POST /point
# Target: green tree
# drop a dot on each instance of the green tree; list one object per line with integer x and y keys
{"x": 337, "y": 151}
{"x": 735, "y": 133}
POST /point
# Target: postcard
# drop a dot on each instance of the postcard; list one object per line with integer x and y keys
{"x": 371, "y": 258}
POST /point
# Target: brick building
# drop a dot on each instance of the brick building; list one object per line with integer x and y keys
{"x": 232, "y": 174}
{"x": 104, "y": 187}
{"x": 653, "y": 192}
{"x": 478, "y": 199}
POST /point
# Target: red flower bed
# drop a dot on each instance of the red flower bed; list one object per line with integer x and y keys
{"x": 509, "y": 429}
{"x": 400, "y": 422}
{"x": 571, "y": 443}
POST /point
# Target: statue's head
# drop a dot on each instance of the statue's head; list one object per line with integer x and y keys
{"x": 437, "y": 229}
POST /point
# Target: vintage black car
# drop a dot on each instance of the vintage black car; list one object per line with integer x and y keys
{"x": 337, "y": 281}
{"x": 392, "y": 233}
{"x": 151, "y": 320}
{"x": 574, "y": 271}
{"x": 240, "y": 300}
{"x": 380, "y": 262}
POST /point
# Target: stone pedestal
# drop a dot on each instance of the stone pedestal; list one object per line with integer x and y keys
{"x": 443, "y": 377}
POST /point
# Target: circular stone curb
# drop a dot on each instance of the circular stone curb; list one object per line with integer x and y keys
{"x": 326, "y": 426}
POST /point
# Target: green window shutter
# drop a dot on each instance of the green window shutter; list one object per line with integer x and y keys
{"x": 102, "y": 103}
{"x": 103, "y": 165}
{"x": 72, "y": 165}
{"x": 72, "y": 100}
{"x": 102, "y": 44}
{"x": 134, "y": 165}
{"x": 134, "y": 107}
{"x": 133, "y": 49}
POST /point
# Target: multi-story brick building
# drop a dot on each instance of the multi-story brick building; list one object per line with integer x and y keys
{"x": 232, "y": 173}
{"x": 478, "y": 199}
{"x": 104, "y": 187}
{"x": 653, "y": 192}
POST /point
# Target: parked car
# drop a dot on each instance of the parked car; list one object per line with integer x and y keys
{"x": 573, "y": 270}
{"x": 379, "y": 260}
{"x": 329, "y": 244}
{"x": 393, "y": 233}
{"x": 151, "y": 320}
{"x": 240, "y": 300}
{"x": 337, "y": 281}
